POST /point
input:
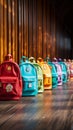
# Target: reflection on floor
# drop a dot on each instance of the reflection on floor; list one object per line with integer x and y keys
{"x": 52, "y": 110}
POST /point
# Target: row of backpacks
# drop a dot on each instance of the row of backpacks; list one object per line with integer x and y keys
{"x": 30, "y": 77}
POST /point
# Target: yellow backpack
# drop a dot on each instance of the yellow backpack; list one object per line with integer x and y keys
{"x": 46, "y": 73}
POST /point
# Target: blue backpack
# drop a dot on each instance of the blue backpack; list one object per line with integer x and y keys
{"x": 29, "y": 77}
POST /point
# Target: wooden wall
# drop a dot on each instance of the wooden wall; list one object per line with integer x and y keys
{"x": 31, "y": 28}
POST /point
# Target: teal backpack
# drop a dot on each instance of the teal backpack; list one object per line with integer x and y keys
{"x": 29, "y": 77}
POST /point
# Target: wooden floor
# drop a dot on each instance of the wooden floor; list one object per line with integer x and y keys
{"x": 52, "y": 110}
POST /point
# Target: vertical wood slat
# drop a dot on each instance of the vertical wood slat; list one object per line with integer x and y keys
{"x": 25, "y": 28}
{"x": 55, "y": 25}
{"x": 9, "y": 27}
{"x": 39, "y": 28}
{"x": 57, "y": 41}
{"x": 48, "y": 29}
{"x": 22, "y": 49}
{"x": 30, "y": 28}
{"x": 5, "y": 27}
{"x": 1, "y": 30}
{"x": 53, "y": 31}
{"x": 34, "y": 30}
{"x": 19, "y": 26}
{"x": 13, "y": 30}
{"x": 44, "y": 37}
{"x": 65, "y": 45}
{"x": 16, "y": 33}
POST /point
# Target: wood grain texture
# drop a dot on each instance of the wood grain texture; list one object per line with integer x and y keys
{"x": 16, "y": 31}
{"x": 51, "y": 110}
{"x": 39, "y": 28}
{"x": 20, "y": 28}
{"x": 5, "y": 27}
{"x": 48, "y": 40}
{"x": 52, "y": 31}
{"x": 25, "y": 28}
{"x": 1, "y": 27}
{"x": 44, "y": 26}
{"x": 9, "y": 22}
{"x": 31, "y": 28}
{"x": 34, "y": 29}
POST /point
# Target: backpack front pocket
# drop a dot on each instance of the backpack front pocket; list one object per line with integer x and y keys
{"x": 8, "y": 86}
{"x": 29, "y": 84}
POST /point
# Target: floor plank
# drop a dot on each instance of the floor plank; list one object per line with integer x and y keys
{"x": 52, "y": 110}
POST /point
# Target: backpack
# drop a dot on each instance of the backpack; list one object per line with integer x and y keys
{"x": 10, "y": 80}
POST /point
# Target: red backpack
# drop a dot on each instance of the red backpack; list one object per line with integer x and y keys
{"x": 10, "y": 80}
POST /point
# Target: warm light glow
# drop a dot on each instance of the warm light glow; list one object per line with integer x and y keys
{"x": 9, "y": 10}
{"x": 13, "y": 3}
{"x": 54, "y": 39}
{"x": 13, "y": 8}
{"x": 1, "y": 40}
{"x": 1, "y": 2}
{"x": 5, "y": 6}
{"x": 39, "y": 27}
{"x": 13, "y": 13}
{"x": 49, "y": 46}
